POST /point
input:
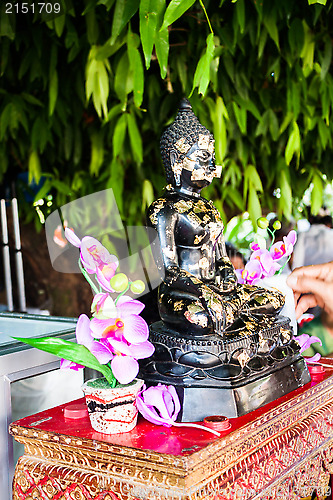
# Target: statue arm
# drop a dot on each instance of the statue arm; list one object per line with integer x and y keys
{"x": 225, "y": 270}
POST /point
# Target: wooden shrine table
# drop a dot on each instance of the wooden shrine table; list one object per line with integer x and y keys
{"x": 283, "y": 450}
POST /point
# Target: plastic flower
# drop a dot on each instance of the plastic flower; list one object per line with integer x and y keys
{"x": 95, "y": 258}
{"x": 284, "y": 248}
{"x": 124, "y": 321}
{"x": 267, "y": 263}
{"x": 305, "y": 341}
{"x": 251, "y": 273}
{"x": 84, "y": 336}
{"x": 124, "y": 364}
{"x": 159, "y": 404}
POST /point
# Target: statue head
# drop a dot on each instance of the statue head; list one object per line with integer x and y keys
{"x": 187, "y": 149}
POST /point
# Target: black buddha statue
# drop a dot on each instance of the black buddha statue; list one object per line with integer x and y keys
{"x": 215, "y": 334}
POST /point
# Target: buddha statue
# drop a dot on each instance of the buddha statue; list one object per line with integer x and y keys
{"x": 213, "y": 331}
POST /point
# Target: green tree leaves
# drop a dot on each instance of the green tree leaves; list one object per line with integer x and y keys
{"x": 85, "y": 98}
{"x": 97, "y": 81}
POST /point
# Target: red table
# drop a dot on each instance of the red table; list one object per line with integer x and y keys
{"x": 283, "y": 450}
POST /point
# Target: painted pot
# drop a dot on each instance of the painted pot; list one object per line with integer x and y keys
{"x": 112, "y": 410}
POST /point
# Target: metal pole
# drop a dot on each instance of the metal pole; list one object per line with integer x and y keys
{"x": 18, "y": 258}
{"x": 6, "y": 258}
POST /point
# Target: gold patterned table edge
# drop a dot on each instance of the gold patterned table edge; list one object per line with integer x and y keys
{"x": 285, "y": 453}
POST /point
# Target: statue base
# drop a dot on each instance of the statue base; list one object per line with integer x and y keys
{"x": 231, "y": 377}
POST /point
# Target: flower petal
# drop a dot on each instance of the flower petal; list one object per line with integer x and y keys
{"x": 100, "y": 327}
{"x": 135, "y": 329}
{"x": 127, "y": 305}
{"x": 65, "y": 364}
{"x": 150, "y": 414}
{"x": 313, "y": 359}
{"x": 72, "y": 238}
{"x": 83, "y": 332}
{"x": 142, "y": 350}
{"x": 124, "y": 368}
{"x": 102, "y": 351}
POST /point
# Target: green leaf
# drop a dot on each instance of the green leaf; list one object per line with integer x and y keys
{"x": 254, "y": 207}
{"x": 220, "y": 133}
{"x": 147, "y": 194}
{"x": 307, "y": 53}
{"x": 293, "y": 145}
{"x": 34, "y": 168}
{"x": 71, "y": 351}
{"x": 136, "y": 67}
{"x": 119, "y": 135}
{"x": 68, "y": 141}
{"x": 202, "y": 73}
{"x": 97, "y": 82}
{"x": 123, "y": 12}
{"x": 316, "y": 193}
{"x": 92, "y": 27}
{"x": 148, "y": 28}
{"x": 162, "y": 50}
{"x": 241, "y": 117}
{"x": 135, "y": 138}
{"x": 322, "y": 2}
{"x": 123, "y": 82}
{"x": 59, "y": 24}
{"x": 326, "y": 62}
{"x": 286, "y": 197}
{"x": 175, "y": 10}
{"x": 271, "y": 26}
{"x": 240, "y": 12}
{"x": 53, "y": 92}
{"x": 97, "y": 153}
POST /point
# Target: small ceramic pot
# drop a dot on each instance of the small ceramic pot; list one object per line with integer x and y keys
{"x": 112, "y": 410}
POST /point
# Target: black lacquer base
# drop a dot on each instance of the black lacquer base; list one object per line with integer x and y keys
{"x": 231, "y": 377}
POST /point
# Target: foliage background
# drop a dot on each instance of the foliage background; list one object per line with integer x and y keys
{"x": 85, "y": 96}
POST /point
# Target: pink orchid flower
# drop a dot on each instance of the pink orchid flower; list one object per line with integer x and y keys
{"x": 284, "y": 248}
{"x": 124, "y": 322}
{"x": 305, "y": 341}
{"x": 84, "y": 336}
{"x": 268, "y": 265}
{"x": 159, "y": 404}
{"x": 251, "y": 273}
{"x": 124, "y": 364}
{"x": 95, "y": 258}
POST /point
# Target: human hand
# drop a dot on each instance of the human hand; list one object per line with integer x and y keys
{"x": 316, "y": 282}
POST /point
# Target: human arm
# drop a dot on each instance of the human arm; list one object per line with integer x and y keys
{"x": 316, "y": 283}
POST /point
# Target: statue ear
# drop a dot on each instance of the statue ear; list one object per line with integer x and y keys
{"x": 173, "y": 157}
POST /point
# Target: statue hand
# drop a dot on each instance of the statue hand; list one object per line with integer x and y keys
{"x": 228, "y": 284}
{"x": 227, "y": 276}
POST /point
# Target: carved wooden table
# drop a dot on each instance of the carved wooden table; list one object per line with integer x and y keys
{"x": 283, "y": 450}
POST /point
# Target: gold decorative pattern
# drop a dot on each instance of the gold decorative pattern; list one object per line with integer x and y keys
{"x": 285, "y": 453}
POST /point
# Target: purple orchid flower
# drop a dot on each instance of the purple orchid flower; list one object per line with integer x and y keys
{"x": 305, "y": 341}
{"x": 268, "y": 265}
{"x": 160, "y": 405}
{"x": 124, "y": 321}
{"x": 251, "y": 273}
{"x": 84, "y": 336}
{"x": 95, "y": 258}
{"x": 284, "y": 248}
{"x": 124, "y": 364}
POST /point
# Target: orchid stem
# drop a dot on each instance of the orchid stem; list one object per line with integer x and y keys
{"x": 272, "y": 233}
{"x": 85, "y": 274}
{"x": 198, "y": 426}
{"x": 122, "y": 293}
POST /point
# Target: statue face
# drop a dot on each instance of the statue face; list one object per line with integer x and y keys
{"x": 197, "y": 167}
